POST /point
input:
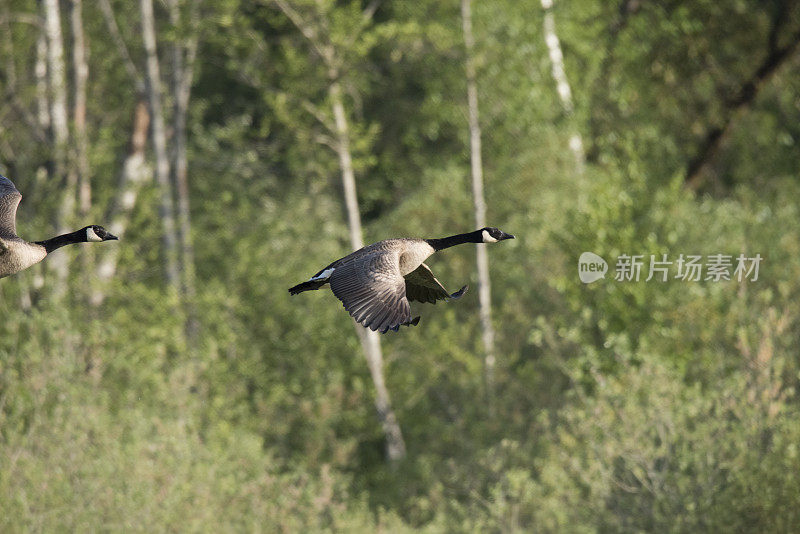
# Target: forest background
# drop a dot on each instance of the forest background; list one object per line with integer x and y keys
{"x": 167, "y": 382}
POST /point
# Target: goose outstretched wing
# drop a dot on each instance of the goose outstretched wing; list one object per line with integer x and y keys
{"x": 9, "y": 200}
{"x": 373, "y": 291}
{"x": 422, "y": 286}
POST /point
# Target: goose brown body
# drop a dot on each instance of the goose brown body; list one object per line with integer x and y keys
{"x": 16, "y": 254}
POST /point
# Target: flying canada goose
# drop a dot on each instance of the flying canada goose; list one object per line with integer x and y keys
{"x": 376, "y": 282}
{"x": 17, "y": 254}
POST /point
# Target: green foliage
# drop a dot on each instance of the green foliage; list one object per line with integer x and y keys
{"x": 619, "y": 406}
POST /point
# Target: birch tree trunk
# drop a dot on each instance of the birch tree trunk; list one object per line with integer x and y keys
{"x": 395, "y": 445}
{"x": 40, "y": 73}
{"x": 135, "y": 173}
{"x": 476, "y": 165}
{"x": 135, "y": 169}
{"x": 159, "y": 135}
{"x": 80, "y": 70}
{"x": 183, "y": 56}
{"x": 560, "y": 78}
{"x": 56, "y": 77}
{"x": 27, "y": 292}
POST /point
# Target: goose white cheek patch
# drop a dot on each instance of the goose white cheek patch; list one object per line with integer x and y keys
{"x": 487, "y": 238}
{"x": 92, "y": 236}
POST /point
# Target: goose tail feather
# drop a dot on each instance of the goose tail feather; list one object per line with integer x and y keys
{"x": 307, "y": 286}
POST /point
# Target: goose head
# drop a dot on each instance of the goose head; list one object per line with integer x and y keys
{"x": 490, "y": 234}
{"x": 96, "y": 233}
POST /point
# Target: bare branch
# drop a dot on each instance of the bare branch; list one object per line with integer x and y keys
{"x": 743, "y": 98}
{"x": 327, "y": 140}
{"x": 10, "y": 80}
{"x": 24, "y": 18}
{"x": 370, "y": 10}
{"x": 779, "y": 16}
{"x": 366, "y": 18}
{"x": 325, "y": 52}
{"x": 116, "y": 36}
{"x": 318, "y": 114}
{"x": 33, "y": 125}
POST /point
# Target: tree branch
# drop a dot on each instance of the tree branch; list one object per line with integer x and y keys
{"x": 318, "y": 114}
{"x": 9, "y": 77}
{"x": 116, "y": 36}
{"x": 327, "y": 141}
{"x": 366, "y": 17}
{"x": 780, "y": 14}
{"x": 325, "y": 52}
{"x": 370, "y": 10}
{"x": 24, "y": 18}
{"x": 743, "y": 98}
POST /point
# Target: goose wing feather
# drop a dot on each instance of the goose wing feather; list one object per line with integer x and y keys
{"x": 9, "y": 200}
{"x": 422, "y": 286}
{"x": 373, "y": 291}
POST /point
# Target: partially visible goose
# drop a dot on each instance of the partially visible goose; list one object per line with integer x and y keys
{"x": 17, "y": 254}
{"x": 376, "y": 282}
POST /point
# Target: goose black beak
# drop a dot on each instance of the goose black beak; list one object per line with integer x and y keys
{"x": 111, "y": 237}
{"x": 506, "y": 236}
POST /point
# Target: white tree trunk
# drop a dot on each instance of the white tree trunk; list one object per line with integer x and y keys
{"x": 560, "y": 78}
{"x": 135, "y": 173}
{"x": 476, "y": 165}
{"x": 56, "y": 76}
{"x": 135, "y": 169}
{"x": 40, "y": 73}
{"x": 395, "y": 445}
{"x": 153, "y": 83}
{"x": 27, "y": 295}
{"x": 183, "y": 56}
{"x": 80, "y": 72}
{"x": 80, "y": 69}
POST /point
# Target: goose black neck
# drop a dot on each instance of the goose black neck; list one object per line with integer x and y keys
{"x": 78, "y": 236}
{"x": 453, "y": 240}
